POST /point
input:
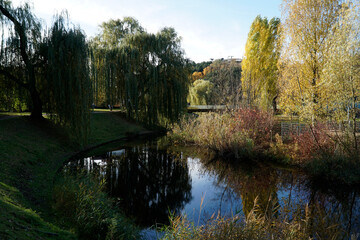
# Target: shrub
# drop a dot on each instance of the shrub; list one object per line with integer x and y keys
{"x": 238, "y": 133}
{"x": 257, "y": 124}
{"x": 81, "y": 204}
{"x": 312, "y": 143}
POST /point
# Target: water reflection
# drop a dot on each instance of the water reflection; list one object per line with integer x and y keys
{"x": 287, "y": 194}
{"x": 151, "y": 179}
{"x": 148, "y": 184}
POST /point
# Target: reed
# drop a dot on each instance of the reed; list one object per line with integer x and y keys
{"x": 303, "y": 221}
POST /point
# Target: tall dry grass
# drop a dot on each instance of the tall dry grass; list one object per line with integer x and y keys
{"x": 236, "y": 133}
{"x": 300, "y": 222}
{"x": 250, "y": 134}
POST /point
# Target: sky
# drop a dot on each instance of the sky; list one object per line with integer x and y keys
{"x": 208, "y": 28}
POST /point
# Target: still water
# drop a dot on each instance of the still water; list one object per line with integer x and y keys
{"x": 151, "y": 179}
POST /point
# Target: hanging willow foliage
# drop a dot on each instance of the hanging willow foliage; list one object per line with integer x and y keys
{"x": 67, "y": 78}
{"x": 20, "y": 37}
{"x": 44, "y": 70}
{"x": 147, "y": 74}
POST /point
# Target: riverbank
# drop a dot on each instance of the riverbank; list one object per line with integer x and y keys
{"x": 31, "y": 153}
{"x": 253, "y": 135}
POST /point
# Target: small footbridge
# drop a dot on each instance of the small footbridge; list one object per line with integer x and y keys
{"x": 207, "y": 108}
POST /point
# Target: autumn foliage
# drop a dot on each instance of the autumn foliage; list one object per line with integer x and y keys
{"x": 256, "y": 124}
{"x": 239, "y": 133}
{"x": 314, "y": 142}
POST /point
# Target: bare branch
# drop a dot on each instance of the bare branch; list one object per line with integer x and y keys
{"x": 23, "y": 39}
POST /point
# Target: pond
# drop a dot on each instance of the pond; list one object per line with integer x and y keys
{"x": 151, "y": 179}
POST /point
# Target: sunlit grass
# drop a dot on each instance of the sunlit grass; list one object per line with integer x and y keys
{"x": 14, "y": 114}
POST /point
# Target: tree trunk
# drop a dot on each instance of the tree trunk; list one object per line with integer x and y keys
{"x": 274, "y": 104}
{"x": 36, "y": 110}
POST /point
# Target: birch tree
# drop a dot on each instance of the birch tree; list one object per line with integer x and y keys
{"x": 341, "y": 74}
{"x": 307, "y": 28}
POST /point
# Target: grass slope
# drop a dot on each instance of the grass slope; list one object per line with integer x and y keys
{"x": 30, "y": 154}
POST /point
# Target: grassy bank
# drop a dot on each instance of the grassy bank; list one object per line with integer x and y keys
{"x": 31, "y": 153}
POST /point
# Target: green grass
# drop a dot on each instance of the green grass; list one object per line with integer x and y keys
{"x": 14, "y": 114}
{"x": 108, "y": 126}
{"x": 19, "y": 222}
{"x": 30, "y": 155}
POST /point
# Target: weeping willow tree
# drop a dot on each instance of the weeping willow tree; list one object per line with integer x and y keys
{"x": 158, "y": 77}
{"x": 20, "y": 41}
{"x": 67, "y": 77}
{"x": 201, "y": 92}
{"x": 106, "y": 63}
{"x": 146, "y": 74}
{"x": 50, "y": 68}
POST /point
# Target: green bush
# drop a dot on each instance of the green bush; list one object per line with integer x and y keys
{"x": 82, "y": 204}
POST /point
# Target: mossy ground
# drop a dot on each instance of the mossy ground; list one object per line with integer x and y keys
{"x": 30, "y": 155}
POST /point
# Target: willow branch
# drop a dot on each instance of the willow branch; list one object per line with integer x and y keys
{"x": 13, "y": 78}
{"x": 23, "y": 40}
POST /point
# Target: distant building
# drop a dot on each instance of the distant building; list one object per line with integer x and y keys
{"x": 238, "y": 60}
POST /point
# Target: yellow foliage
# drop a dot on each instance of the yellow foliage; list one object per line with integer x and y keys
{"x": 306, "y": 30}
{"x": 206, "y": 70}
{"x": 197, "y": 75}
{"x": 259, "y": 77}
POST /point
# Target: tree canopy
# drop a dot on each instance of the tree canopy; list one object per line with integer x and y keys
{"x": 341, "y": 74}
{"x": 225, "y": 75}
{"x": 260, "y": 73}
{"x": 145, "y": 73}
{"x": 50, "y": 68}
{"x": 308, "y": 26}
{"x": 217, "y": 83}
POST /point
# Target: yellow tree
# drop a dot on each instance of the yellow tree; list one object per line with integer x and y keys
{"x": 197, "y": 75}
{"x": 307, "y": 27}
{"x": 259, "y": 65}
{"x": 341, "y": 75}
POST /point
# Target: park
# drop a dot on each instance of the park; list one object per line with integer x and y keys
{"x": 121, "y": 135}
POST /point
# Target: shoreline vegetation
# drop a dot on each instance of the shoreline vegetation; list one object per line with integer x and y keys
{"x": 71, "y": 208}
{"x": 304, "y": 63}
{"x": 326, "y": 151}
{"x": 31, "y": 153}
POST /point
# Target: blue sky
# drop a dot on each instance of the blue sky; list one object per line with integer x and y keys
{"x": 209, "y": 29}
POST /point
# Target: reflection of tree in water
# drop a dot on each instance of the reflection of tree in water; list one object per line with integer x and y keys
{"x": 327, "y": 210}
{"x": 149, "y": 183}
{"x": 252, "y": 183}
{"x": 333, "y": 209}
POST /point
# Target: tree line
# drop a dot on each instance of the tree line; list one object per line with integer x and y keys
{"x": 305, "y": 64}
{"x": 60, "y": 72}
